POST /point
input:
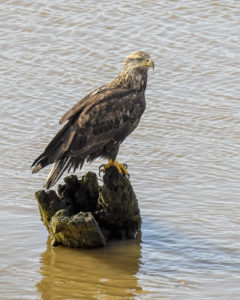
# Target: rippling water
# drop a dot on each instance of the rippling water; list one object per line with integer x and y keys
{"x": 183, "y": 158}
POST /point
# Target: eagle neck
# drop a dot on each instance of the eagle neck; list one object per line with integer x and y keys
{"x": 136, "y": 79}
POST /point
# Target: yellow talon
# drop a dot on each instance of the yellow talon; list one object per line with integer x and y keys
{"x": 114, "y": 163}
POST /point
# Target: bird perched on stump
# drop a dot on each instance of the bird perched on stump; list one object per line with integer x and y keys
{"x": 97, "y": 125}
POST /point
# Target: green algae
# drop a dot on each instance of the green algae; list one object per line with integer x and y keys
{"x": 117, "y": 206}
{"x": 80, "y": 230}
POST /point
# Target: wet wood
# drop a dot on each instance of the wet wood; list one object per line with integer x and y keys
{"x": 85, "y": 215}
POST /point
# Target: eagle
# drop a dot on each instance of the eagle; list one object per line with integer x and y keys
{"x": 97, "y": 125}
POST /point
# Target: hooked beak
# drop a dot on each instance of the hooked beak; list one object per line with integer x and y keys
{"x": 148, "y": 63}
{"x": 151, "y": 63}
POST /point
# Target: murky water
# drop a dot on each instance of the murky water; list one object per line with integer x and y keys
{"x": 183, "y": 158}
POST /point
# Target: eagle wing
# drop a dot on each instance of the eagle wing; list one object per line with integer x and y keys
{"x": 107, "y": 114}
{"x": 111, "y": 115}
{"x": 90, "y": 98}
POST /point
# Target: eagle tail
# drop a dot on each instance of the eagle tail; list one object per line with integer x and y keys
{"x": 56, "y": 172}
{"x": 56, "y": 149}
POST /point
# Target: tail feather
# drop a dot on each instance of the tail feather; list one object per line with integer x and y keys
{"x": 58, "y": 152}
{"x": 56, "y": 172}
{"x": 56, "y": 149}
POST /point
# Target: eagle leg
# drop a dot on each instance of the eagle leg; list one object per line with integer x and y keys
{"x": 122, "y": 168}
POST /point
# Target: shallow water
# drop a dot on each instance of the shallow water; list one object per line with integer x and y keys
{"x": 183, "y": 158}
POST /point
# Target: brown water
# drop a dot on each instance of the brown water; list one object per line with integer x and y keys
{"x": 183, "y": 158}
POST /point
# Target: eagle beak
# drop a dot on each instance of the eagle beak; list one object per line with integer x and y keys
{"x": 148, "y": 63}
{"x": 151, "y": 63}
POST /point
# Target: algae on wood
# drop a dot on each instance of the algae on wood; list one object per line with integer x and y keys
{"x": 117, "y": 206}
{"x": 80, "y": 230}
{"x": 86, "y": 215}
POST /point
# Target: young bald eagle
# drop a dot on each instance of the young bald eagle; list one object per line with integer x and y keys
{"x": 99, "y": 123}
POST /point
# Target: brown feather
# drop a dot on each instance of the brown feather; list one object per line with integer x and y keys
{"x": 99, "y": 123}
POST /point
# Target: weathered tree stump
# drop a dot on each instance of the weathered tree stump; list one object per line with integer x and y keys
{"x": 85, "y": 215}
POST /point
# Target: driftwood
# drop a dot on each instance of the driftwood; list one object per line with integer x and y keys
{"x": 86, "y": 215}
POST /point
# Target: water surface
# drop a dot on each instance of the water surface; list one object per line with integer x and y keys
{"x": 183, "y": 158}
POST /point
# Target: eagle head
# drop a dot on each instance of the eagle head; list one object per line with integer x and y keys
{"x": 137, "y": 59}
{"x": 134, "y": 70}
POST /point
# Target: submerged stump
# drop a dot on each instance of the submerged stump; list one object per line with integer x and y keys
{"x": 85, "y": 215}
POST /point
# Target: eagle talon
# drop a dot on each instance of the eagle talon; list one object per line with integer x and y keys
{"x": 122, "y": 168}
{"x": 101, "y": 169}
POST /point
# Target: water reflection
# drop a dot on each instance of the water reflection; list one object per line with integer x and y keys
{"x": 91, "y": 274}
